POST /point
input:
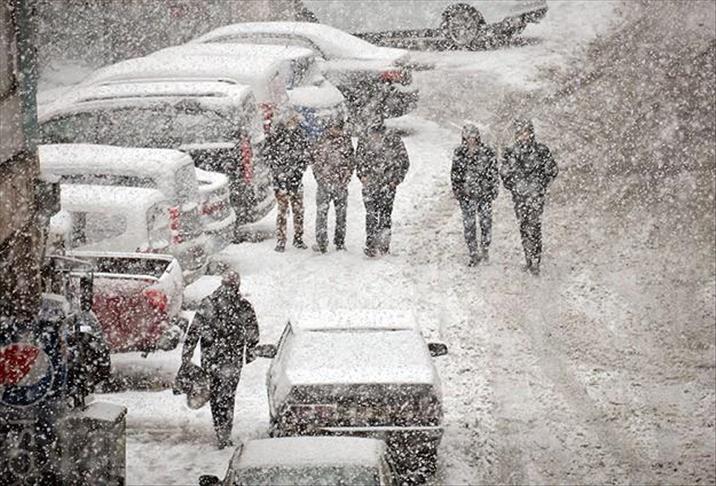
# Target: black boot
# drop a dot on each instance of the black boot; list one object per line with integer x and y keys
{"x": 298, "y": 243}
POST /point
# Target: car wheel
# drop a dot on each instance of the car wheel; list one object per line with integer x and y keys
{"x": 461, "y": 26}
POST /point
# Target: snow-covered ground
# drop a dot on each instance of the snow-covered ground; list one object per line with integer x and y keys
{"x": 555, "y": 380}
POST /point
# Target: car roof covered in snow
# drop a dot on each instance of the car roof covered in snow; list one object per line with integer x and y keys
{"x": 256, "y": 71}
{"x": 355, "y": 319}
{"x": 108, "y": 199}
{"x": 310, "y": 451}
{"x": 71, "y": 158}
{"x": 334, "y": 43}
{"x": 211, "y": 94}
{"x": 369, "y": 356}
{"x": 264, "y": 53}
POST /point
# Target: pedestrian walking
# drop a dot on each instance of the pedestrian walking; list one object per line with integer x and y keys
{"x": 381, "y": 164}
{"x": 527, "y": 170}
{"x": 288, "y": 155}
{"x": 475, "y": 182}
{"x": 227, "y": 328}
{"x": 333, "y": 166}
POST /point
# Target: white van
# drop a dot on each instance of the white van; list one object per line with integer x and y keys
{"x": 170, "y": 171}
{"x": 128, "y": 219}
{"x": 216, "y": 123}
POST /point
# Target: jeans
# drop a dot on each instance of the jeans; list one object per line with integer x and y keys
{"x": 324, "y": 196}
{"x": 295, "y": 199}
{"x": 222, "y": 392}
{"x": 529, "y": 216}
{"x": 378, "y": 217}
{"x": 471, "y": 209}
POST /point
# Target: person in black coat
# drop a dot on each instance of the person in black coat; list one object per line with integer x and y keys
{"x": 528, "y": 168}
{"x": 475, "y": 182}
{"x": 227, "y": 328}
{"x": 288, "y": 155}
{"x": 381, "y": 165}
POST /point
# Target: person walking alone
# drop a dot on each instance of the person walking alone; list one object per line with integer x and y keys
{"x": 333, "y": 166}
{"x": 288, "y": 155}
{"x": 475, "y": 182}
{"x": 381, "y": 164}
{"x": 528, "y": 168}
{"x": 227, "y": 328}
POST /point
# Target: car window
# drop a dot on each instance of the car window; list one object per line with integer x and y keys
{"x": 186, "y": 186}
{"x": 91, "y": 228}
{"x": 284, "y": 342}
{"x": 308, "y": 475}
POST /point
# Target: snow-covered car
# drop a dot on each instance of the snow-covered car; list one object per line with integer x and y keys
{"x": 461, "y": 23}
{"x": 310, "y": 461}
{"x": 217, "y": 123}
{"x": 373, "y": 79}
{"x": 129, "y": 219}
{"x": 297, "y": 69}
{"x": 358, "y": 372}
{"x": 170, "y": 171}
{"x": 137, "y": 298}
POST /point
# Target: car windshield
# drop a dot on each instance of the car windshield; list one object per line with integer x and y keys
{"x": 158, "y": 126}
{"x": 308, "y": 475}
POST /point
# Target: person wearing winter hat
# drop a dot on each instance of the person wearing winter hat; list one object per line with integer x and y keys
{"x": 381, "y": 164}
{"x": 527, "y": 170}
{"x": 475, "y": 181}
{"x": 227, "y": 328}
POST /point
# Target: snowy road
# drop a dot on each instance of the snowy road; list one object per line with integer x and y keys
{"x": 582, "y": 376}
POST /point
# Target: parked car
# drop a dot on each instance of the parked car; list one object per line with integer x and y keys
{"x": 137, "y": 298}
{"x": 217, "y": 123}
{"x": 374, "y": 80}
{"x": 129, "y": 219}
{"x": 298, "y": 69}
{"x": 170, "y": 171}
{"x": 365, "y": 373}
{"x": 308, "y": 461}
{"x": 461, "y": 23}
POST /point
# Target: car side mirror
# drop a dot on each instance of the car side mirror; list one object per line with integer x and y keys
{"x": 437, "y": 349}
{"x": 265, "y": 351}
{"x": 208, "y": 480}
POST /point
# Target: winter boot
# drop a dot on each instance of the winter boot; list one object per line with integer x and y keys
{"x": 485, "y": 256}
{"x": 341, "y": 247}
{"x": 474, "y": 260}
{"x": 369, "y": 252}
{"x": 320, "y": 248}
{"x": 298, "y": 243}
{"x": 280, "y": 247}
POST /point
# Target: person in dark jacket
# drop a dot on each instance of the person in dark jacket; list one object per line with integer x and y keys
{"x": 227, "y": 328}
{"x": 381, "y": 164}
{"x": 288, "y": 155}
{"x": 333, "y": 166}
{"x": 527, "y": 170}
{"x": 475, "y": 182}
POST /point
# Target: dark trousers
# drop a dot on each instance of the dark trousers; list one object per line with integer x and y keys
{"x": 339, "y": 197}
{"x": 378, "y": 217}
{"x": 529, "y": 216}
{"x": 471, "y": 209}
{"x": 283, "y": 199}
{"x": 222, "y": 392}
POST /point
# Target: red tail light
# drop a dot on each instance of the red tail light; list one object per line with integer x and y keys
{"x": 392, "y": 76}
{"x": 247, "y": 160}
{"x": 157, "y": 299}
{"x": 212, "y": 207}
{"x": 16, "y": 361}
{"x": 268, "y": 111}
{"x": 175, "y": 224}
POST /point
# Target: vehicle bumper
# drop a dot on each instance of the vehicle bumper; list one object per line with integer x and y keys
{"x": 220, "y": 233}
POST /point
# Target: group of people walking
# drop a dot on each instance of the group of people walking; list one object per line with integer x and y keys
{"x": 380, "y": 161}
{"x": 527, "y": 169}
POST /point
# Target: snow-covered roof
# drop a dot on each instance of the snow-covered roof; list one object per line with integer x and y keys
{"x": 355, "y": 319}
{"x": 110, "y": 199}
{"x": 208, "y": 93}
{"x": 266, "y": 54}
{"x": 359, "y": 357}
{"x": 334, "y": 43}
{"x": 254, "y": 71}
{"x": 310, "y": 451}
{"x": 71, "y": 158}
